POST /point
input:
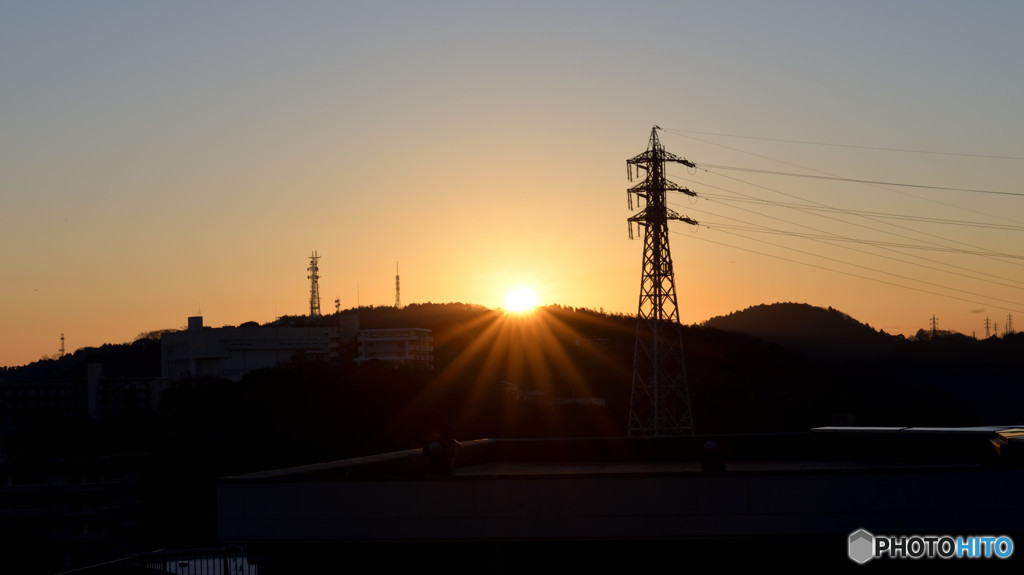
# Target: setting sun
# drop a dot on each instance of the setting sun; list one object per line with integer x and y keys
{"x": 520, "y": 300}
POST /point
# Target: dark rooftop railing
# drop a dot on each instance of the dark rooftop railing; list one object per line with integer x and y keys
{"x": 229, "y": 560}
{"x": 888, "y": 445}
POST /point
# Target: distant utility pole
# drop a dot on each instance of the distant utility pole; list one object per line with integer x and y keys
{"x": 337, "y": 305}
{"x": 987, "y": 334}
{"x": 659, "y": 405}
{"x": 314, "y": 287}
{"x": 398, "y": 290}
{"x": 62, "y": 345}
{"x": 1009, "y": 324}
{"x": 935, "y": 326}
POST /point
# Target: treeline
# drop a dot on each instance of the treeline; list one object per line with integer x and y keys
{"x": 560, "y": 371}
{"x": 783, "y": 367}
{"x": 140, "y": 358}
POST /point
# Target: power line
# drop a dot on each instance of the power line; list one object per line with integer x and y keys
{"x": 855, "y": 180}
{"x": 835, "y": 237}
{"x": 828, "y": 237}
{"x": 887, "y": 219}
{"x": 831, "y": 235}
{"x": 887, "y": 215}
{"x": 984, "y": 252}
{"x": 877, "y": 270}
{"x": 852, "y": 146}
{"x": 887, "y": 246}
{"x": 751, "y": 227}
{"x": 932, "y": 200}
{"x": 724, "y": 229}
{"x": 851, "y": 274}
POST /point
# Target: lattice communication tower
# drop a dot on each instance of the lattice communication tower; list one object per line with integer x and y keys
{"x": 660, "y": 401}
{"x": 314, "y": 288}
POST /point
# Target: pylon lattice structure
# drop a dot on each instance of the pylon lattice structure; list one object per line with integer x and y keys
{"x": 314, "y": 288}
{"x": 398, "y": 291}
{"x": 660, "y": 401}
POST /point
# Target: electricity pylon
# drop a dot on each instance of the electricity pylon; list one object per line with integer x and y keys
{"x": 659, "y": 405}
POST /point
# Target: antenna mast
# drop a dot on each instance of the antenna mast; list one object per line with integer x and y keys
{"x": 660, "y": 401}
{"x": 314, "y": 288}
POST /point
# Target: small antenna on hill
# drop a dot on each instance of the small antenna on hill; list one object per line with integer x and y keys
{"x": 314, "y": 287}
{"x": 398, "y": 289}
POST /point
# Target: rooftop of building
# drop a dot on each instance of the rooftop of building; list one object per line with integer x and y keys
{"x": 666, "y": 494}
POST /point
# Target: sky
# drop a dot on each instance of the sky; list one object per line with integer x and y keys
{"x": 160, "y": 160}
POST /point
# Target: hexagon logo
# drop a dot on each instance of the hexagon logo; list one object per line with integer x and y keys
{"x": 861, "y": 546}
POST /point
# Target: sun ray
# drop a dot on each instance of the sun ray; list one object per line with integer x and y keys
{"x": 500, "y": 358}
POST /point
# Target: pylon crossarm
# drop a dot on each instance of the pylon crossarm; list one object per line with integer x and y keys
{"x": 640, "y": 189}
{"x": 679, "y": 160}
{"x": 675, "y": 188}
{"x": 672, "y": 215}
{"x": 658, "y": 155}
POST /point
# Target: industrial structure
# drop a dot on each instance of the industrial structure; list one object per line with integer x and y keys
{"x": 94, "y": 398}
{"x": 660, "y": 401}
{"x": 409, "y": 347}
{"x": 231, "y": 352}
{"x": 398, "y": 290}
{"x": 314, "y": 288}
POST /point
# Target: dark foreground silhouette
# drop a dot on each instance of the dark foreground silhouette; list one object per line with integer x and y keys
{"x": 561, "y": 372}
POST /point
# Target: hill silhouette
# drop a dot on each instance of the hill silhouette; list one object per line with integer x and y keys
{"x": 823, "y": 334}
{"x": 777, "y": 367}
{"x": 559, "y": 372}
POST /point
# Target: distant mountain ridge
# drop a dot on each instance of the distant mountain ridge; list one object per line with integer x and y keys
{"x": 818, "y": 332}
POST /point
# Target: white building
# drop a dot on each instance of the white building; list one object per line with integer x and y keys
{"x": 231, "y": 352}
{"x": 401, "y": 346}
